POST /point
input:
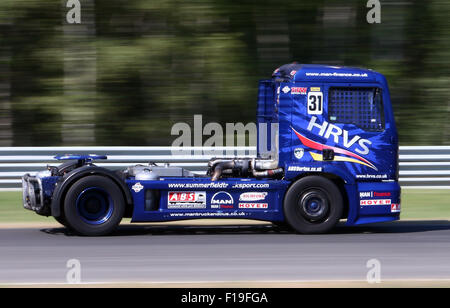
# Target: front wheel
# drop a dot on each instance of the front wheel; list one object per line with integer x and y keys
{"x": 94, "y": 206}
{"x": 313, "y": 204}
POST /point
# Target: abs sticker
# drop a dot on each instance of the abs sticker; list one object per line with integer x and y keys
{"x": 253, "y": 196}
{"x": 253, "y": 205}
{"x": 186, "y": 200}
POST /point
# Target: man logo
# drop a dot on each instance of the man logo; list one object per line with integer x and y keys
{"x": 221, "y": 198}
{"x": 365, "y": 194}
{"x": 298, "y": 153}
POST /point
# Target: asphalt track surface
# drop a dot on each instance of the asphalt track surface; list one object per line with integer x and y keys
{"x": 406, "y": 250}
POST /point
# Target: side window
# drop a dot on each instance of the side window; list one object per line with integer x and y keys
{"x": 360, "y": 106}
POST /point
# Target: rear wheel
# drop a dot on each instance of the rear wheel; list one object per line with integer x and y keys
{"x": 94, "y": 206}
{"x": 313, "y": 204}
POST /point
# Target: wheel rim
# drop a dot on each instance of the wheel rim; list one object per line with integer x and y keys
{"x": 95, "y": 206}
{"x": 314, "y": 206}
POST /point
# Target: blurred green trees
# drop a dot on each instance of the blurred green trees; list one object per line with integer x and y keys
{"x": 133, "y": 68}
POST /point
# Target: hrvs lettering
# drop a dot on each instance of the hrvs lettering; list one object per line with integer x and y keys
{"x": 327, "y": 130}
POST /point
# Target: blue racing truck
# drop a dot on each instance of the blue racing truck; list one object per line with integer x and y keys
{"x": 333, "y": 156}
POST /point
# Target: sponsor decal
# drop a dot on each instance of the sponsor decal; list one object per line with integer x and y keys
{"x": 365, "y": 194}
{"x": 253, "y": 196}
{"x": 210, "y": 214}
{"x": 250, "y": 186}
{"x": 326, "y": 130}
{"x": 298, "y": 153}
{"x": 375, "y": 202}
{"x": 370, "y": 194}
{"x": 395, "y": 208}
{"x": 221, "y": 198}
{"x": 371, "y": 176}
{"x": 304, "y": 169}
{"x": 286, "y": 89}
{"x": 198, "y": 185}
{"x": 299, "y": 90}
{"x": 253, "y": 205}
{"x": 354, "y": 158}
{"x": 186, "y": 200}
{"x": 293, "y": 73}
{"x": 337, "y": 74}
{"x": 314, "y": 89}
{"x": 137, "y": 187}
{"x": 381, "y": 194}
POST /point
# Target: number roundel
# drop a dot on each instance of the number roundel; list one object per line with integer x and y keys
{"x": 315, "y": 103}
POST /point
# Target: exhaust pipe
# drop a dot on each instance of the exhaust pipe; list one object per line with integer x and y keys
{"x": 267, "y": 173}
{"x": 220, "y": 167}
{"x": 257, "y": 168}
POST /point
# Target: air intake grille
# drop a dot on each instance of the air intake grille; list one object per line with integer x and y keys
{"x": 359, "y": 106}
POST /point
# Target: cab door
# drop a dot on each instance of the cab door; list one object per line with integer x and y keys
{"x": 357, "y": 131}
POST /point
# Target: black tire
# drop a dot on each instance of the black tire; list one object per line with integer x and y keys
{"x": 94, "y": 206}
{"x": 313, "y": 205}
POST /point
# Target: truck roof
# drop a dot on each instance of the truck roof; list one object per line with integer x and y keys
{"x": 316, "y": 72}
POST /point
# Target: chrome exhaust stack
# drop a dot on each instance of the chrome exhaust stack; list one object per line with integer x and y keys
{"x": 243, "y": 167}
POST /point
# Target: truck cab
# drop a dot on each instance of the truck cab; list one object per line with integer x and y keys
{"x": 327, "y": 150}
{"x": 337, "y": 122}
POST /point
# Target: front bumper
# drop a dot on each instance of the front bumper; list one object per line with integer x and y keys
{"x": 33, "y": 195}
{"x": 378, "y": 202}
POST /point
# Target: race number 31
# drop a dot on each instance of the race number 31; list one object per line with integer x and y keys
{"x": 315, "y": 103}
